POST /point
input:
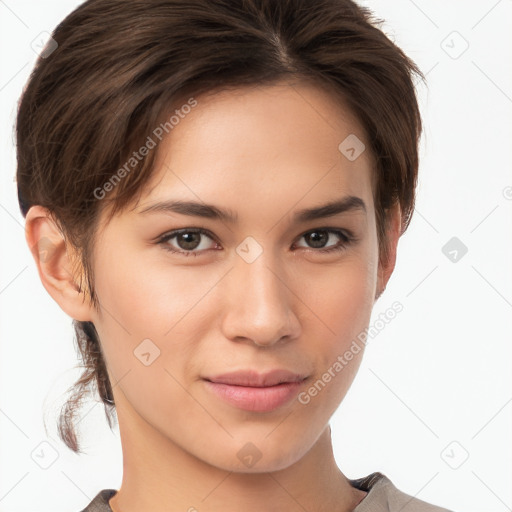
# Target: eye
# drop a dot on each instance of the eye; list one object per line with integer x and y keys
{"x": 318, "y": 239}
{"x": 190, "y": 241}
{"x": 187, "y": 241}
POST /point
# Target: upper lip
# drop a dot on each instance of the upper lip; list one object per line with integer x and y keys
{"x": 254, "y": 379}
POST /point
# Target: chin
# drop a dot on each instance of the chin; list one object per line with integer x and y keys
{"x": 258, "y": 457}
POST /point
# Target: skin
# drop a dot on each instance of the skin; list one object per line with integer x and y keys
{"x": 292, "y": 307}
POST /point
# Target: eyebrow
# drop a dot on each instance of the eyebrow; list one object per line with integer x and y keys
{"x": 208, "y": 211}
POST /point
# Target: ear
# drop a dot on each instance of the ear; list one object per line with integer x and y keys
{"x": 387, "y": 264}
{"x": 54, "y": 259}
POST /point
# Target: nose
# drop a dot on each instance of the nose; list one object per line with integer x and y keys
{"x": 260, "y": 304}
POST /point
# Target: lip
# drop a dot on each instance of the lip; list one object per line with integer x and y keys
{"x": 256, "y": 392}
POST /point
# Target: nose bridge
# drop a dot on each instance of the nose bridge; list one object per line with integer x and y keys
{"x": 260, "y": 307}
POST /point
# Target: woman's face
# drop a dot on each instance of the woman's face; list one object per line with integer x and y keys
{"x": 253, "y": 293}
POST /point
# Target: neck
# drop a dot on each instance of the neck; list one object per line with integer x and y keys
{"x": 159, "y": 475}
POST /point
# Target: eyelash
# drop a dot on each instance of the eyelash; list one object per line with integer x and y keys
{"x": 347, "y": 239}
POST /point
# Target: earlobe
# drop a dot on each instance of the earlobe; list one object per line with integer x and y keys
{"x": 387, "y": 266}
{"x": 51, "y": 254}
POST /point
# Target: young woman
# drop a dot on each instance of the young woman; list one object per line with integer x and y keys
{"x": 214, "y": 191}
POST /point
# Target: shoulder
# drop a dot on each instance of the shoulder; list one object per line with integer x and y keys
{"x": 100, "y": 502}
{"x": 383, "y": 496}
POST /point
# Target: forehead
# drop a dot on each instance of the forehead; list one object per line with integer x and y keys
{"x": 262, "y": 149}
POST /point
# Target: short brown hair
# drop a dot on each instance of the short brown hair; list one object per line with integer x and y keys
{"x": 121, "y": 64}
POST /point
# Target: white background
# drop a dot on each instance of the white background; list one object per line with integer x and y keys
{"x": 435, "y": 384}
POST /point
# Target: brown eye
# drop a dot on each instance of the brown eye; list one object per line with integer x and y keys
{"x": 318, "y": 239}
{"x": 187, "y": 241}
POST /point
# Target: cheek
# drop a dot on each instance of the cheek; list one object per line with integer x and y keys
{"x": 342, "y": 302}
{"x": 355, "y": 297}
{"x": 342, "y": 298}
{"x": 345, "y": 309}
{"x": 144, "y": 299}
{"x": 151, "y": 314}
{"x": 148, "y": 328}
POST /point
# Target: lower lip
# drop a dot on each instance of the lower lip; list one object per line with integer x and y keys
{"x": 254, "y": 399}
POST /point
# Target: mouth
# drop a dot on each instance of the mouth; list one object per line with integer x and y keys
{"x": 256, "y": 392}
